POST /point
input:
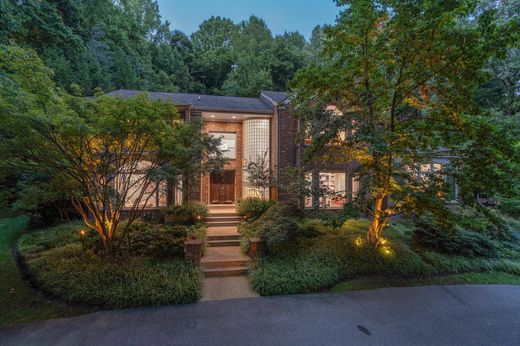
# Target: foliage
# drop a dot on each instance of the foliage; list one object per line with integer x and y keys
{"x": 254, "y": 205}
{"x": 58, "y": 265}
{"x": 312, "y": 228}
{"x": 452, "y": 240}
{"x": 19, "y": 303}
{"x": 402, "y": 76}
{"x": 312, "y": 265}
{"x": 510, "y": 206}
{"x": 194, "y": 211}
{"x": 275, "y": 227}
{"x": 259, "y": 175}
{"x": 126, "y": 44}
{"x": 108, "y": 154}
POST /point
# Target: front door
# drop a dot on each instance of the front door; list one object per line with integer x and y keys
{"x": 222, "y": 187}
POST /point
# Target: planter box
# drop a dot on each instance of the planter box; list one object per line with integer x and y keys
{"x": 256, "y": 247}
{"x": 193, "y": 250}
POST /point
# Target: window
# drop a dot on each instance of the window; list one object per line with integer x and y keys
{"x": 137, "y": 186}
{"x": 355, "y": 188}
{"x": 228, "y": 144}
{"x": 331, "y": 190}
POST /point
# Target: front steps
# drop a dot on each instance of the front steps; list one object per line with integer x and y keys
{"x": 224, "y": 261}
{"x": 223, "y": 220}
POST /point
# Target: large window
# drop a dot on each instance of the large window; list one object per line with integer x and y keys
{"x": 331, "y": 189}
{"x": 138, "y": 186}
{"x": 228, "y": 144}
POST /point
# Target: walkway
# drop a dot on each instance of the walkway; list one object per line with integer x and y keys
{"x": 224, "y": 265}
{"x": 445, "y": 315}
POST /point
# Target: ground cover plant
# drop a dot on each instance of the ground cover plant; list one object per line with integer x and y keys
{"x": 148, "y": 270}
{"x": 18, "y": 302}
{"x": 318, "y": 256}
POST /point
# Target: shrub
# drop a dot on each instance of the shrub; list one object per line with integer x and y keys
{"x": 192, "y": 210}
{"x": 278, "y": 232}
{"x": 482, "y": 220}
{"x": 57, "y": 264}
{"x": 510, "y": 206}
{"x": 274, "y": 227}
{"x": 431, "y": 235}
{"x": 254, "y": 206}
{"x": 311, "y": 228}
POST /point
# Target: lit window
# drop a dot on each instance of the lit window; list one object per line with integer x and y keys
{"x": 228, "y": 144}
{"x": 139, "y": 187}
{"x": 331, "y": 190}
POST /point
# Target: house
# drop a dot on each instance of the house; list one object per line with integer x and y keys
{"x": 248, "y": 128}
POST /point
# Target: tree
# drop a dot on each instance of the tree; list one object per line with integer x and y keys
{"x": 110, "y": 155}
{"x": 212, "y": 45}
{"x": 401, "y": 75}
{"x": 259, "y": 175}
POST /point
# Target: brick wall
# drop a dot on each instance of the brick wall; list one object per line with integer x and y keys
{"x": 235, "y": 165}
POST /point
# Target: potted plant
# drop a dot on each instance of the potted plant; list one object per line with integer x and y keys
{"x": 189, "y": 212}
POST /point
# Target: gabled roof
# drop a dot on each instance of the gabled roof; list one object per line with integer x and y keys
{"x": 204, "y": 102}
{"x": 277, "y": 96}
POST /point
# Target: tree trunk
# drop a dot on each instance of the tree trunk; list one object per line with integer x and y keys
{"x": 376, "y": 225}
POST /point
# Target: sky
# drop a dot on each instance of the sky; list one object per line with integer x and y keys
{"x": 280, "y": 15}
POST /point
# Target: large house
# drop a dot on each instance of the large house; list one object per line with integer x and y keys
{"x": 249, "y": 128}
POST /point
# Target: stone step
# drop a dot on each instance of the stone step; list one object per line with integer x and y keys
{"x": 224, "y": 263}
{"x": 224, "y": 237}
{"x": 223, "y": 218}
{"x": 225, "y": 242}
{"x": 222, "y": 223}
{"x": 224, "y": 215}
{"x": 225, "y": 271}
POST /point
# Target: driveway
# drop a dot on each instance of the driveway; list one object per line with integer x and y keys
{"x": 434, "y": 315}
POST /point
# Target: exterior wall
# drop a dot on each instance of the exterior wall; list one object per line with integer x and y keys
{"x": 236, "y": 165}
{"x": 287, "y": 130}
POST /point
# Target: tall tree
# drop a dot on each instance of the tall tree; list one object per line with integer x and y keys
{"x": 212, "y": 45}
{"x": 402, "y": 74}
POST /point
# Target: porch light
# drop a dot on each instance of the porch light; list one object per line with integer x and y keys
{"x": 234, "y": 117}
{"x": 212, "y": 115}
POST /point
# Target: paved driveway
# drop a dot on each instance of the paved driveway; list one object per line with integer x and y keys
{"x": 457, "y": 315}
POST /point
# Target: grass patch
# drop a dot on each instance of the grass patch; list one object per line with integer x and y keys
{"x": 490, "y": 277}
{"x": 58, "y": 265}
{"x": 18, "y": 302}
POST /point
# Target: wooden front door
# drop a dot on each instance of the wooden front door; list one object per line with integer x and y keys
{"x": 222, "y": 187}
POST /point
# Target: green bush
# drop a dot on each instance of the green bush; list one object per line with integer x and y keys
{"x": 193, "y": 211}
{"x": 483, "y": 220}
{"x": 431, "y": 235}
{"x": 315, "y": 264}
{"x": 274, "y": 227}
{"x": 254, "y": 206}
{"x": 312, "y": 228}
{"x": 57, "y": 264}
{"x": 279, "y": 232}
{"x": 510, "y": 206}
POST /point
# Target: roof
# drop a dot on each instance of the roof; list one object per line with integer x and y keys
{"x": 205, "y": 102}
{"x": 276, "y": 96}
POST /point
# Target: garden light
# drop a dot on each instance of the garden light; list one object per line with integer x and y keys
{"x": 359, "y": 241}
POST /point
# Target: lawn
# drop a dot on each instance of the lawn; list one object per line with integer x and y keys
{"x": 18, "y": 302}
{"x": 490, "y": 277}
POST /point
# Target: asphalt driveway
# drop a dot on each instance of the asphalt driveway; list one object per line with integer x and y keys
{"x": 455, "y": 315}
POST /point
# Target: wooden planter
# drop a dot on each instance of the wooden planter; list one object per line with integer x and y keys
{"x": 256, "y": 247}
{"x": 193, "y": 250}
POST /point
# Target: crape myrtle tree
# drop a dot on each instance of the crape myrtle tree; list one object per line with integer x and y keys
{"x": 401, "y": 75}
{"x": 109, "y": 154}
